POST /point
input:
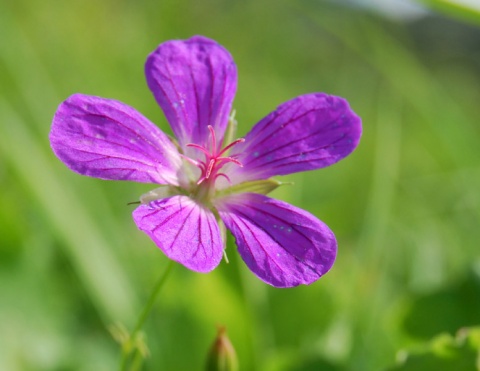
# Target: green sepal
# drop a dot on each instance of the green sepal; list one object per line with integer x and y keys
{"x": 159, "y": 193}
{"x": 231, "y": 129}
{"x": 256, "y": 186}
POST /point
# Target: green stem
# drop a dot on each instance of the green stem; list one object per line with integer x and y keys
{"x": 126, "y": 351}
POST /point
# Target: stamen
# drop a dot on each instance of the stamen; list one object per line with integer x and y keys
{"x": 224, "y": 175}
{"x": 229, "y": 159}
{"x": 203, "y": 149}
{"x": 200, "y": 181}
{"x": 210, "y": 168}
{"x": 191, "y": 160}
{"x": 239, "y": 140}
{"x": 214, "y": 139}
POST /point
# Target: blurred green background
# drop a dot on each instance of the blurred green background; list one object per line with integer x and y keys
{"x": 404, "y": 206}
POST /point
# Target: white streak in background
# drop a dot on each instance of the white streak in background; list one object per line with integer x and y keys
{"x": 473, "y": 4}
{"x": 403, "y": 10}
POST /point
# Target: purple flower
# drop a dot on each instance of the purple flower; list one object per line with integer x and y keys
{"x": 206, "y": 178}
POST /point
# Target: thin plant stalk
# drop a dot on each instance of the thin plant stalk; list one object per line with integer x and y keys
{"x": 131, "y": 344}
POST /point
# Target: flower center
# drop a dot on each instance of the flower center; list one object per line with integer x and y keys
{"x": 214, "y": 159}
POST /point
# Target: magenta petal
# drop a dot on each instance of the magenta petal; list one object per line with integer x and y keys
{"x": 184, "y": 230}
{"x": 107, "y": 139}
{"x": 194, "y": 81}
{"x": 283, "y": 245}
{"x": 306, "y": 133}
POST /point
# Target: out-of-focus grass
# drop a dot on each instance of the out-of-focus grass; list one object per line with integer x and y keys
{"x": 404, "y": 206}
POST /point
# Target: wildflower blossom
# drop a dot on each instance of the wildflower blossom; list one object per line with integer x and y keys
{"x": 204, "y": 178}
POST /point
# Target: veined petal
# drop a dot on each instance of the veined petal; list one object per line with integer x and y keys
{"x": 107, "y": 139}
{"x": 184, "y": 230}
{"x": 306, "y": 133}
{"x": 194, "y": 81}
{"x": 283, "y": 245}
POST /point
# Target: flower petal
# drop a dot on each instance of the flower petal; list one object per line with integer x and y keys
{"x": 194, "y": 81}
{"x": 184, "y": 230}
{"x": 306, "y": 133}
{"x": 107, "y": 139}
{"x": 283, "y": 245}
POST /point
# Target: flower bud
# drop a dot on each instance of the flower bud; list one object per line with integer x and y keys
{"x": 222, "y": 356}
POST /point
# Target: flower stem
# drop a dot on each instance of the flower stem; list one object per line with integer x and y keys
{"x": 127, "y": 349}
